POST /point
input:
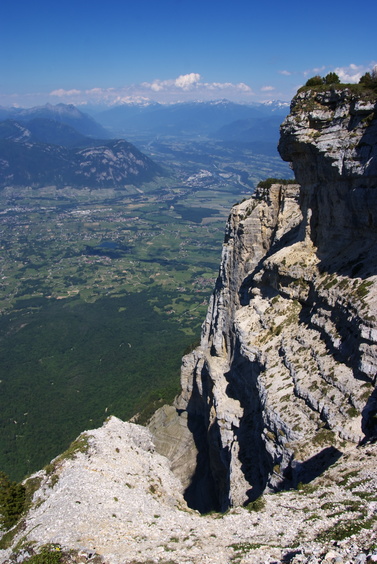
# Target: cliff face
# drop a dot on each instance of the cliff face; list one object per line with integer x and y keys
{"x": 330, "y": 138}
{"x": 283, "y": 382}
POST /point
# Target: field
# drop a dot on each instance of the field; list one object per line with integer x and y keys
{"x": 101, "y": 292}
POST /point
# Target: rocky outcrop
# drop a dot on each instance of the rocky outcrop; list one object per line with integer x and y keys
{"x": 283, "y": 382}
{"x": 111, "y": 499}
{"x": 330, "y": 138}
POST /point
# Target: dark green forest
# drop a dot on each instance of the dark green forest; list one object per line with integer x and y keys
{"x": 78, "y": 358}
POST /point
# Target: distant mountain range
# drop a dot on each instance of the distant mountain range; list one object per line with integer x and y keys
{"x": 45, "y": 152}
{"x": 189, "y": 118}
{"x": 61, "y": 145}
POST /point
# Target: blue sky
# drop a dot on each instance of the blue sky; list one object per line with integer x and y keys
{"x": 90, "y": 52}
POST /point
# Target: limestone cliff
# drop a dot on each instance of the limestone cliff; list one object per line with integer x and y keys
{"x": 283, "y": 382}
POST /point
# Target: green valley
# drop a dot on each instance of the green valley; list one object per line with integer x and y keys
{"x": 102, "y": 290}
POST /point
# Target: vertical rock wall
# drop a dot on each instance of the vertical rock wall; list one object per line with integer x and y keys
{"x": 283, "y": 381}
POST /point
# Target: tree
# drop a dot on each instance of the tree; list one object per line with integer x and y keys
{"x": 332, "y": 78}
{"x": 12, "y": 501}
{"x": 366, "y": 79}
{"x": 369, "y": 79}
{"x": 315, "y": 81}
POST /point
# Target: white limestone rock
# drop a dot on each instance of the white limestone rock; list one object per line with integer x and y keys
{"x": 290, "y": 333}
{"x": 115, "y": 501}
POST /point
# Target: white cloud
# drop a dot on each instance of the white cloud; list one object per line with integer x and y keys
{"x": 314, "y": 71}
{"x": 99, "y": 91}
{"x": 62, "y": 93}
{"x": 192, "y": 81}
{"x": 184, "y": 87}
{"x": 318, "y": 70}
{"x": 268, "y": 88}
{"x": 240, "y": 86}
{"x": 183, "y": 82}
{"x": 156, "y": 86}
{"x": 186, "y": 81}
{"x": 352, "y": 73}
{"x": 285, "y": 73}
{"x": 243, "y": 87}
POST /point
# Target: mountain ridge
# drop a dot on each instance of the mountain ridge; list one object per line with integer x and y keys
{"x": 185, "y": 118}
{"x": 217, "y": 119}
{"x": 54, "y": 153}
{"x": 63, "y": 113}
{"x": 44, "y": 130}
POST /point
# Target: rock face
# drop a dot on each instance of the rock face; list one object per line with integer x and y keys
{"x": 283, "y": 382}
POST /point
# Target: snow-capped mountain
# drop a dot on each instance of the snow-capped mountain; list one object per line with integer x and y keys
{"x": 185, "y": 118}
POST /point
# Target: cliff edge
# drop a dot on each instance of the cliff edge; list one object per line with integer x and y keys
{"x": 283, "y": 382}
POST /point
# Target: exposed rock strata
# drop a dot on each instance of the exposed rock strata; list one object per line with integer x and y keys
{"x": 284, "y": 379}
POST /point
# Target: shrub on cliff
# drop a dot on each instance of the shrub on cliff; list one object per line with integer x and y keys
{"x": 314, "y": 81}
{"x": 367, "y": 85}
{"x": 12, "y": 501}
{"x": 332, "y": 78}
{"x": 256, "y": 505}
{"x": 369, "y": 79}
{"x": 268, "y": 182}
{"x": 49, "y": 554}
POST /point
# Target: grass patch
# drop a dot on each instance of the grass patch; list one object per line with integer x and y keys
{"x": 345, "y": 529}
{"x": 257, "y": 505}
{"x": 362, "y": 290}
{"x": 328, "y": 505}
{"x": 323, "y": 437}
{"x": 368, "y": 496}
{"x": 81, "y": 444}
{"x": 245, "y": 547}
{"x": 306, "y": 488}
{"x": 313, "y": 517}
{"x": 7, "y": 538}
{"x": 49, "y": 554}
{"x": 348, "y": 476}
{"x": 353, "y": 412}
